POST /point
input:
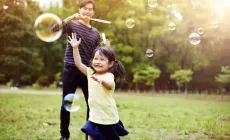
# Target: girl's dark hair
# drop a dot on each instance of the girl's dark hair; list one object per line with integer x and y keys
{"x": 82, "y": 3}
{"x": 117, "y": 69}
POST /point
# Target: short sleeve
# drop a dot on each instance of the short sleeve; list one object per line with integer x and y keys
{"x": 89, "y": 71}
{"x": 110, "y": 78}
{"x": 67, "y": 28}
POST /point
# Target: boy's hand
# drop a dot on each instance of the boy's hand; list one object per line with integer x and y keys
{"x": 55, "y": 28}
{"x": 76, "y": 16}
{"x": 73, "y": 41}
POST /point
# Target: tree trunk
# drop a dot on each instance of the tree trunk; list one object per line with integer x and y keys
{"x": 186, "y": 90}
{"x": 18, "y": 77}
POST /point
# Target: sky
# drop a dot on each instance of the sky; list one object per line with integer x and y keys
{"x": 46, "y": 3}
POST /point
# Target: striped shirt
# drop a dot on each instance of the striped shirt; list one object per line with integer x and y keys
{"x": 90, "y": 39}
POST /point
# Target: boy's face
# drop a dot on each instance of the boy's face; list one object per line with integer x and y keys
{"x": 87, "y": 10}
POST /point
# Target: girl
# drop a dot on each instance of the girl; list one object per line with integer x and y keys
{"x": 103, "y": 123}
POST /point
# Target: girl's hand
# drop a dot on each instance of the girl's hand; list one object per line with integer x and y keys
{"x": 73, "y": 41}
{"x": 95, "y": 78}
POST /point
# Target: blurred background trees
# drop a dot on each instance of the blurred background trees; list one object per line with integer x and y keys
{"x": 26, "y": 60}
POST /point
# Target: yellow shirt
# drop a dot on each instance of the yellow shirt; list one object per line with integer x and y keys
{"x": 102, "y": 105}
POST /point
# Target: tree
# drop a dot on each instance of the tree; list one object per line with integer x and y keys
{"x": 223, "y": 78}
{"x": 182, "y": 77}
{"x": 147, "y": 76}
{"x": 17, "y": 38}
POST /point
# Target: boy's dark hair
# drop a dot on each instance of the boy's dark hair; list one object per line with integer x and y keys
{"x": 117, "y": 69}
{"x": 82, "y": 3}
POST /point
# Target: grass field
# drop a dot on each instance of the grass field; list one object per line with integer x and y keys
{"x": 146, "y": 117}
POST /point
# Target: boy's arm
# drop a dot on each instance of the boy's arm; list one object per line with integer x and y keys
{"x": 76, "y": 16}
{"x": 57, "y": 27}
{"x": 76, "y": 55}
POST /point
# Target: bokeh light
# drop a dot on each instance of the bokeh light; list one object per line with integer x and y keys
{"x": 194, "y": 38}
{"x": 5, "y": 7}
{"x": 71, "y": 102}
{"x": 43, "y": 26}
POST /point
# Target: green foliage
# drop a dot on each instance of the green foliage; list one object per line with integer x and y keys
{"x": 58, "y": 76}
{"x": 36, "y": 85}
{"x": 182, "y": 76}
{"x": 43, "y": 80}
{"x": 53, "y": 85}
{"x": 2, "y": 78}
{"x": 26, "y": 79}
{"x": 22, "y": 53}
{"x": 146, "y": 75}
{"x": 224, "y": 78}
{"x": 157, "y": 117}
{"x": 10, "y": 83}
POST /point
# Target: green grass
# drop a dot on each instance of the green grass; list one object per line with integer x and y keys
{"x": 146, "y": 117}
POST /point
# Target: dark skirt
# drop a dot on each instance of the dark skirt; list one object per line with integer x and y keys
{"x": 104, "y": 132}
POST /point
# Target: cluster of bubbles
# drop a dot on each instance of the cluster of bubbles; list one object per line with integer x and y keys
{"x": 71, "y": 102}
{"x": 44, "y": 22}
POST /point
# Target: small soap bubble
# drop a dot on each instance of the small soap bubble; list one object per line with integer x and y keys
{"x": 172, "y": 26}
{"x": 149, "y": 53}
{"x": 195, "y": 2}
{"x": 200, "y": 31}
{"x": 194, "y": 38}
{"x": 130, "y": 23}
{"x": 215, "y": 24}
{"x": 71, "y": 102}
{"x": 152, "y": 3}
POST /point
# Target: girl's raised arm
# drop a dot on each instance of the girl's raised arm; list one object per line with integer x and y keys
{"x": 76, "y": 55}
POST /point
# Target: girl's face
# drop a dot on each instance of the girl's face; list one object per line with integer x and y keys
{"x": 101, "y": 63}
{"x": 87, "y": 10}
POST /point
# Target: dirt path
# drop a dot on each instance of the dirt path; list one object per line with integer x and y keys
{"x": 30, "y": 91}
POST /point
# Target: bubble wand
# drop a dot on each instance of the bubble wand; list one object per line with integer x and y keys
{"x": 103, "y": 38}
{"x": 86, "y": 18}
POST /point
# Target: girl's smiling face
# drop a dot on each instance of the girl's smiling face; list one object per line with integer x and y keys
{"x": 101, "y": 63}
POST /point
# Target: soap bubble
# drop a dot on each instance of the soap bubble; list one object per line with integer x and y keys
{"x": 194, "y": 38}
{"x": 149, "y": 53}
{"x": 43, "y": 26}
{"x": 152, "y": 3}
{"x": 172, "y": 26}
{"x": 200, "y": 31}
{"x": 215, "y": 24}
{"x": 195, "y": 2}
{"x": 71, "y": 102}
{"x": 130, "y": 23}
